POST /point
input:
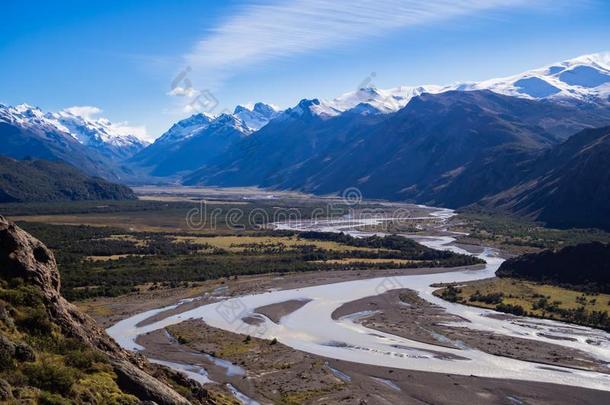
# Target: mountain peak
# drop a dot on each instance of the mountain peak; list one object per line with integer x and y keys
{"x": 230, "y": 120}
{"x": 196, "y": 119}
{"x": 185, "y": 128}
{"x": 601, "y": 59}
{"x": 265, "y": 109}
{"x": 99, "y": 133}
{"x": 241, "y": 108}
{"x": 583, "y": 79}
{"x": 257, "y": 116}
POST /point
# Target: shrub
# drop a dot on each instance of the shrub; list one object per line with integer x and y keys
{"x": 84, "y": 359}
{"x": 23, "y": 352}
{"x": 7, "y": 353}
{"x": 510, "y": 309}
{"x": 46, "y": 398}
{"x": 35, "y": 321}
{"x": 451, "y": 293}
{"x": 53, "y": 377}
{"x": 492, "y": 298}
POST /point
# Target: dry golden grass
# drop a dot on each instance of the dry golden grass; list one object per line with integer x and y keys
{"x": 351, "y": 260}
{"x": 108, "y": 258}
{"x": 239, "y": 243}
{"x": 106, "y": 220}
{"x": 94, "y": 308}
{"x": 525, "y": 293}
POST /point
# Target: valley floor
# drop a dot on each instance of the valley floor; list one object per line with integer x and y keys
{"x": 270, "y": 372}
{"x": 276, "y": 373}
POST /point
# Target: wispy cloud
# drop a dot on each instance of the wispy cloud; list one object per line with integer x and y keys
{"x": 259, "y": 32}
{"x": 85, "y": 111}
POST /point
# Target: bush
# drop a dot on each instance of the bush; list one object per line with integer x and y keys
{"x": 23, "y": 352}
{"x": 46, "y": 398}
{"x": 35, "y": 321}
{"x": 7, "y": 353}
{"x": 511, "y": 309}
{"x": 52, "y": 377}
{"x": 22, "y": 295}
{"x": 84, "y": 359}
{"x": 492, "y": 298}
{"x": 451, "y": 293}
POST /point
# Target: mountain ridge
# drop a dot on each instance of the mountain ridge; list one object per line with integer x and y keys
{"x": 565, "y": 186}
{"x": 316, "y": 154}
{"x": 99, "y": 134}
{"x": 43, "y": 181}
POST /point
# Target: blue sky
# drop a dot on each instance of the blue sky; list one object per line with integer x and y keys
{"x": 124, "y": 57}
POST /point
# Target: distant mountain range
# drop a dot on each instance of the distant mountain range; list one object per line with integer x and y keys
{"x": 581, "y": 84}
{"x": 195, "y": 141}
{"x": 492, "y": 143}
{"x": 45, "y": 181}
{"x": 582, "y": 79}
{"x": 91, "y": 145}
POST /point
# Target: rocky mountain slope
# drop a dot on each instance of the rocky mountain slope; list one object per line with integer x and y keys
{"x": 448, "y": 149}
{"x": 43, "y": 180}
{"x": 52, "y": 353}
{"x": 565, "y": 186}
{"x": 171, "y": 140}
{"x": 207, "y": 143}
{"x": 581, "y": 83}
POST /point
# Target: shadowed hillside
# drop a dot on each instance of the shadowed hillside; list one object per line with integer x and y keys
{"x": 43, "y": 181}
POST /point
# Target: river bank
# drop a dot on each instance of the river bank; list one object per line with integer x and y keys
{"x": 311, "y": 328}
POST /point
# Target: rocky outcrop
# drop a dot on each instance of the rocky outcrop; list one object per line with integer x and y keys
{"x": 23, "y": 256}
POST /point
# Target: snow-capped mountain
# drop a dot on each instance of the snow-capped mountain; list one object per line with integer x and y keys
{"x": 308, "y": 108}
{"x": 110, "y": 139}
{"x": 185, "y": 129}
{"x": 231, "y": 121}
{"x": 257, "y": 116}
{"x": 191, "y": 142}
{"x": 244, "y": 119}
{"x": 100, "y": 134}
{"x": 27, "y": 132}
{"x": 585, "y": 79}
{"x": 26, "y": 116}
{"x": 382, "y": 101}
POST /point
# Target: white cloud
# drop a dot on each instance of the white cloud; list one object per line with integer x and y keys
{"x": 285, "y": 28}
{"x": 183, "y": 92}
{"x": 85, "y": 111}
{"x": 139, "y": 131}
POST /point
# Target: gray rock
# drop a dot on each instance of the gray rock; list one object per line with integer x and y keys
{"x": 23, "y": 256}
